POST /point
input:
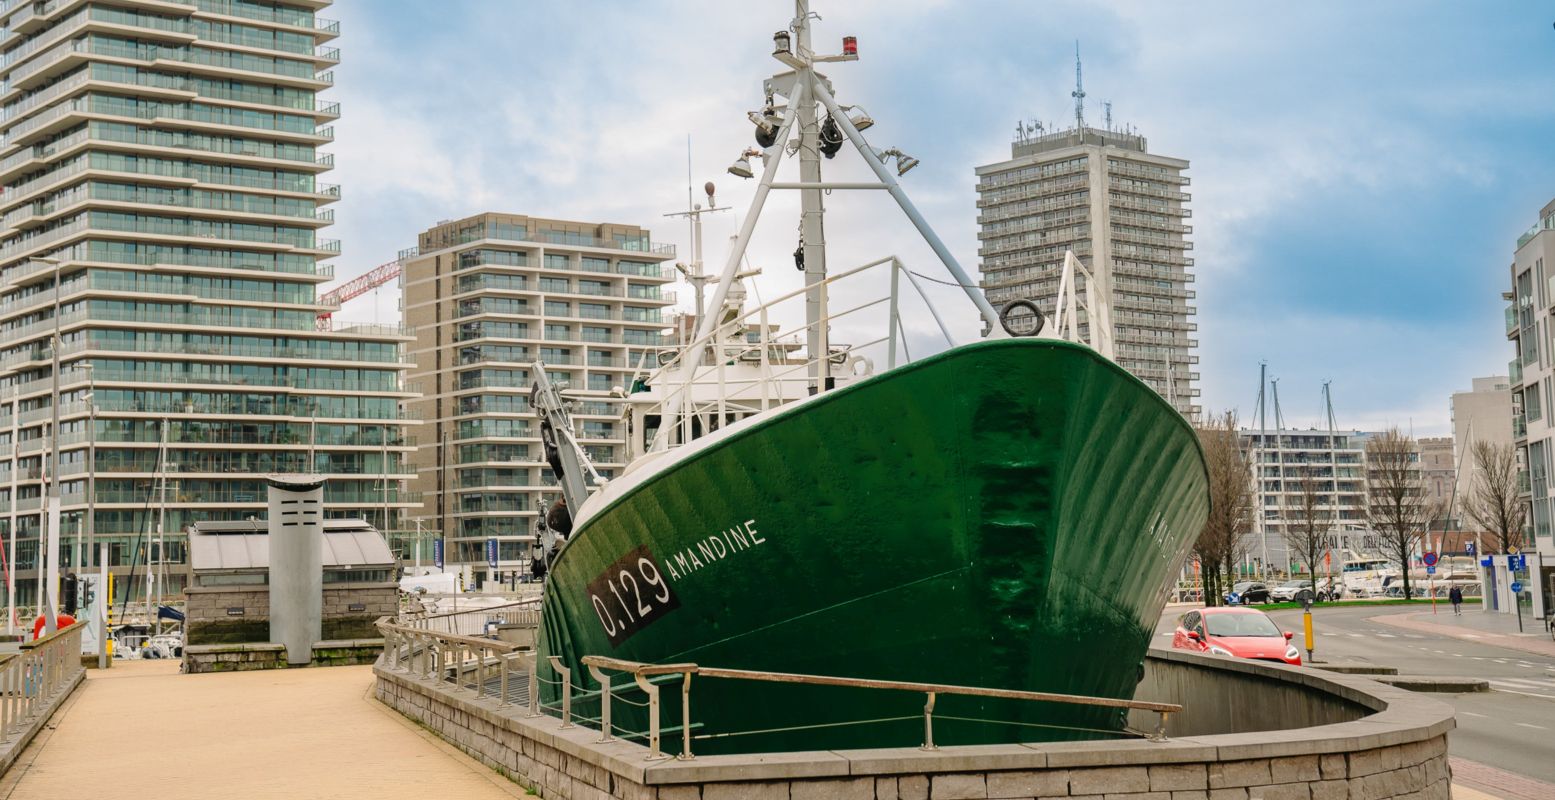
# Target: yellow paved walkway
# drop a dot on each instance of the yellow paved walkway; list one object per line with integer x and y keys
{"x": 143, "y": 730}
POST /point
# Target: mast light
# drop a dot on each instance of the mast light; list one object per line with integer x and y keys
{"x": 781, "y": 43}
{"x": 850, "y": 45}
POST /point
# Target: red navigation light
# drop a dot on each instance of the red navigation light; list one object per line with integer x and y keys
{"x": 850, "y": 45}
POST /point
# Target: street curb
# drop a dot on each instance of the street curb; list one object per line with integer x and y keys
{"x": 1434, "y": 683}
{"x": 1356, "y": 668}
{"x": 1538, "y": 645}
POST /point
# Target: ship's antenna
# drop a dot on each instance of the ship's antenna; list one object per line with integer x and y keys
{"x": 1079, "y": 90}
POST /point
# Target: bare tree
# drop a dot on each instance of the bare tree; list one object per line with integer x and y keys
{"x": 1495, "y": 502}
{"x": 1306, "y": 519}
{"x": 1396, "y": 504}
{"x": 1220, "y": 544}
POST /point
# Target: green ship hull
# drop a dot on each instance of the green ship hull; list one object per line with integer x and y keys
{"x": 1006, "y": 514}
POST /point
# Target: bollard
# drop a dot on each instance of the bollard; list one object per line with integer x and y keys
{"x": 1160, "y": 726}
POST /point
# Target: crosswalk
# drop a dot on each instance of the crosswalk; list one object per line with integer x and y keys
{"x": 1537, "y": 687}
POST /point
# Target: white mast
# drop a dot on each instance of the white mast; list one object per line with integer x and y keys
{"x": 802, "y": 88}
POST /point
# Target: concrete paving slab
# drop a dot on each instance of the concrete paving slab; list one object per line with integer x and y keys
{"x": 272, "y": 734}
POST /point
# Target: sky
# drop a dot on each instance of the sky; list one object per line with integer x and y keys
{"x": 1360, "y": 171}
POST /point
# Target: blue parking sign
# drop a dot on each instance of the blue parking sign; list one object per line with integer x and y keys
{"x": 1468, "y": 547}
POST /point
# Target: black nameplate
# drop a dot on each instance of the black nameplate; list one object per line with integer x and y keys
{"x": 235, "y": 611}
{"x": 631, "y": 594}
{"x": 357, "y": 607}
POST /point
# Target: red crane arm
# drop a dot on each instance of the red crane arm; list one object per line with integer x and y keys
{"x": 361, "y": 284}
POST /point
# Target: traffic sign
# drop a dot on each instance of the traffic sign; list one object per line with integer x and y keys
{"x": 1517, "y": 586}
{"x": 1468, "y": 547}
{"x": 1430, "y": 570}
{"x": 1485, "y": 562}
{"x": 1429, "y": 559}
{"x": 1517, "y": 562}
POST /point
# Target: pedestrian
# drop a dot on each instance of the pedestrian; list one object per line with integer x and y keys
{"x": 1456, "y": 596}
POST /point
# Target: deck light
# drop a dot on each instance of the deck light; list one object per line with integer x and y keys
{"x": 742, "y": 167}
{"x": 850, "y": 45}
{"x": 859, "y": 117}
{"x": 780, "y": 43}
{"x": 766, "y": 122}
{"x": 904, "y": 163}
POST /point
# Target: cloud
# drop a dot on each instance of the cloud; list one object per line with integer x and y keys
{"x": 1360, "y": 172}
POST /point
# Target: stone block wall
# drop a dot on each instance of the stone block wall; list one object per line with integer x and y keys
{"x": 233, "y": 657}
{"x": 1396, "y": 753}
{"x": 210, "y": 614}
{"x": 350, "y": 611}
{"x": 372, "y": 601}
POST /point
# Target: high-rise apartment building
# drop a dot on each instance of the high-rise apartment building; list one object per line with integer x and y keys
{"x": 1285, "y": 464}
{"x": 1123, "y": 211}
{"x": 489, "y": 296}
{"x": 1529, "y": 325}
{"x": 161, "y": 218}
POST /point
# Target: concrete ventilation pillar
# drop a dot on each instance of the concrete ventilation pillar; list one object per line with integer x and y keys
{"x": 296, "y": 536}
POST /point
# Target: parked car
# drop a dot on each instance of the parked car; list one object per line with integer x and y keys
{"x": 1248, "y": 592}
{"x": 1235, "y": 632}
{"x": 1286, "y": 592}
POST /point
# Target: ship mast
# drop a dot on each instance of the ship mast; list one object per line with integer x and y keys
{"x": 802, "y": 87}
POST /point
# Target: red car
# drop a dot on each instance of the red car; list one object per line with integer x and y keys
{"x": 1238, "y": 632}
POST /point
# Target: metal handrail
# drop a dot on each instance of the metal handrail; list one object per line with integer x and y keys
{"x": 641, "y": 671}
{"x": 32, "y": 679}
{"x": 431, "y": 654}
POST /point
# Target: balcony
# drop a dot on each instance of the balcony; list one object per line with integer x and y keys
{"x": 1511, "y": 320}
{"x": 1520, "y": 428}
{"x": 1524, "y": 485}
{"x": 1514, "y": 370}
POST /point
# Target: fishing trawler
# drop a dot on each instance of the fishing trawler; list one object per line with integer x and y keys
{"x": 1006, "y": 513}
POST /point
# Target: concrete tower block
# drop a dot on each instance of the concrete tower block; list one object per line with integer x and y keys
{"x": 296, "y": 538}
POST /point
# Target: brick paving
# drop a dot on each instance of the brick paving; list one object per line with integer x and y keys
{"x": 141, "y": 729}
{"x": 1499, "y": 783}
{"x": 1498, "y": 630}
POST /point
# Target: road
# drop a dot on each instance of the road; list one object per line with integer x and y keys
{"x": 1511, "y": 727}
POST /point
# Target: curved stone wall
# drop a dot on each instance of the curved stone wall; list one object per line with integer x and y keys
{"x": 1352, "y": 739}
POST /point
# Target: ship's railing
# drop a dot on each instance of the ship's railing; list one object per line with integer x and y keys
{"x": 643, "y": 676}
{"x": 871, "y": 318}
{"x": 32, "y": 681}
{"x": 476, "y": 621}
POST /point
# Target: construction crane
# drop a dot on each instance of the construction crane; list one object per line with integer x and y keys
{"x": 356, "y": 287}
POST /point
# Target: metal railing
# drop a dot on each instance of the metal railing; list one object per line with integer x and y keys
{"x": 452, "y": 658}
{"x": 642, "y": 674}
{"x": 486, "y": 667}
{"x": 33, "y": 679}
{"x": 475, "y": 621}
